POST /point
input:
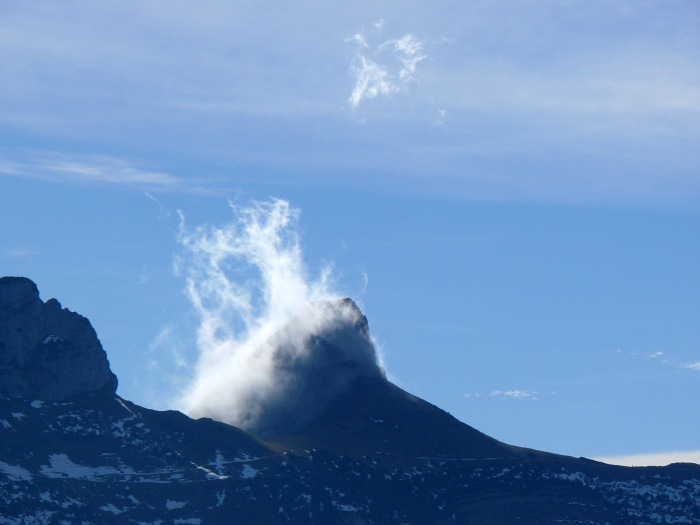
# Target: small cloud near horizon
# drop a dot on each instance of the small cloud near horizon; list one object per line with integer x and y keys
{"x": 508, "y": 394}
{"x": 660, "y": 459}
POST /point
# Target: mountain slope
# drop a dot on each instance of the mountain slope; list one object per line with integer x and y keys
{"x": 375, "y": 418}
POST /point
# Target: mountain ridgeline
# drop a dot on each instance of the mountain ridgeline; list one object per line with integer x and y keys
{"x": 338, "y": 444}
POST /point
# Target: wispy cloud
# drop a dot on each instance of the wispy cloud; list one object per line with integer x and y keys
{"x": 595, "y": 113}
{"x": 653, "y": 459}
{"x": 105, "y": 170}
{"x": 512, "y": 393}
{"x": 516, "y": 394}
{"x": 167, "y": 366}
{"x": 163, "y": 211}
{"x": 385, "y": 68}
{"x": 246, "y": 281}
{"x": 19, "y": 252}
{"x": 661, "y": 358}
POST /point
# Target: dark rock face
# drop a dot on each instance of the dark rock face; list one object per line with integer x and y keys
{"x": 310, "y": 378}
{"x": 46, "y": 351}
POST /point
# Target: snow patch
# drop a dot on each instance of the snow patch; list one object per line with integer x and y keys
{"x": 14, "y": 472}
{"x": 218, "y": 462}
{"x": 111, "y": 508}
{"x": 210, "y": 473}
{"x": 119, "y": 426}
{"x": 346, "y": 508}
{"x": 248, "y": 472}
{"x": 63, "y": 467}
{"x": 125, "y": 407}
{"x": 172, "y": 505}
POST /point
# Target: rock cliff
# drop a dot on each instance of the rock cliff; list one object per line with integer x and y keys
{"x": 47, "y": 352}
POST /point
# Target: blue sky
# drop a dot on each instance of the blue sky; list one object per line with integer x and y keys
{"x": 510, "y": 190}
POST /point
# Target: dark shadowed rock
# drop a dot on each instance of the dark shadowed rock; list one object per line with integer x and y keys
{"x": 46, "y": 351}
{"x": 326, "y": 364}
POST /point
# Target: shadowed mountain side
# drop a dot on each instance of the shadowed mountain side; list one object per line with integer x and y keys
{"x": 342, "y": 352}
{"x": 374, "y": 417}
{"x": 126, "y": 441}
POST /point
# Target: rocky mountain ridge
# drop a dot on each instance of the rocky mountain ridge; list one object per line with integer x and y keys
{"x": 77, "y": 453}
{"x": 46, "y": 351}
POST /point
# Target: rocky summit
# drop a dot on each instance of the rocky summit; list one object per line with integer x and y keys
{"x": 73, "y": 452}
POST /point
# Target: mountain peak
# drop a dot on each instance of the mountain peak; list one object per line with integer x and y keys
{"x": 312, "y": 366}
{"x": 47, "y": 351}
{"x": 18, "y": 290}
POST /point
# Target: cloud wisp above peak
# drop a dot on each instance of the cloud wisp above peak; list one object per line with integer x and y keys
{"x": 267, "y": 330}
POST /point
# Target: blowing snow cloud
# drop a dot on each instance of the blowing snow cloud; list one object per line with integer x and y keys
{"x": 274, "y": 344}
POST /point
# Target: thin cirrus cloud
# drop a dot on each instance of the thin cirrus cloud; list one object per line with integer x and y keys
{"x": 508, "y": 394}
{"x": 104, "y": 170}
{"x": 597, "y": 112}
{"x": 19, "y": 252}
{"x": 385, "y": 68}
{"x": 516, "y": 394}
{"x": 674, "y": 362}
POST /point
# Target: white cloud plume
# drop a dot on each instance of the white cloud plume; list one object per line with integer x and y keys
{"x": 383, "y": 69}
{"x": 693, "y": 366}
{"x": 247, "y": 281}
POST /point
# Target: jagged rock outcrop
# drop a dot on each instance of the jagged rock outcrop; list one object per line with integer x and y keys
{"x": 46, "y": 351}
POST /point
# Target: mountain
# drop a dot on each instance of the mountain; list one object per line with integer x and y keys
{"x": 366, "y": 452}
{"x": 46, "y": 351}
